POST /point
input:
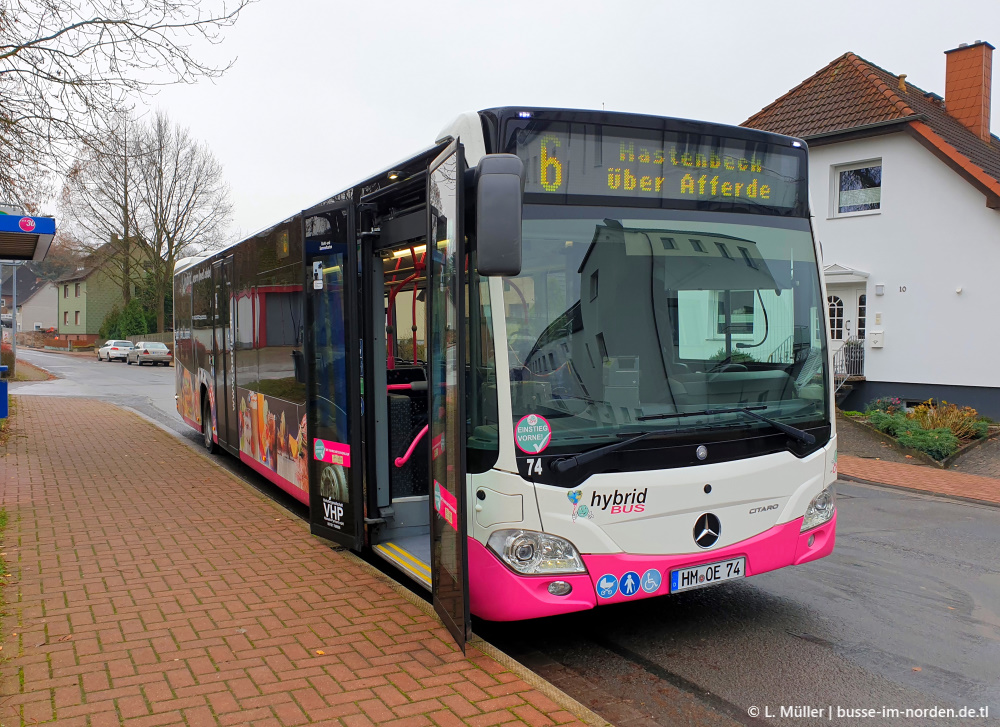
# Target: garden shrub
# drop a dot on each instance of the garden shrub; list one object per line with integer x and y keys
{"x": 887, "y": 404}
{"x": 963, "y": 422}
{"x": 109, "y": 326}
{"x": 938, "y": 443}
{"x": 891, "y": 424}
{"x": 852, "y": 413}
{"x": 736, "y": 357}
{"x": 132, "y": 321}
{"x": 980, "y": 429}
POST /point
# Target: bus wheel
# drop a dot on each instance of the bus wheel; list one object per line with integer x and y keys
{"x": 206, "y": 428}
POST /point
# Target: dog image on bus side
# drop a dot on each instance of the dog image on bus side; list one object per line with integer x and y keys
{"x": 556, "y": 360}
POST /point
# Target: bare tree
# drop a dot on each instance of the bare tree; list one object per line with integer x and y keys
{"x": 184, "y": 201}
{"x": 66, "y": 65}
{"x": 101, "y": 196}
{"x": 144, "y": 196}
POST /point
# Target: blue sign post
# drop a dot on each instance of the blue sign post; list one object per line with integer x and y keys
{"x": 3, "y": 392}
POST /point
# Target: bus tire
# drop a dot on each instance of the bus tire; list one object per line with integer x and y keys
{"x": 206, "y": 427}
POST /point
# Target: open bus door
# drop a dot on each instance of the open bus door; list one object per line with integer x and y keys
{"x": 331, "y": 366}
{"x": 446, "y": 252}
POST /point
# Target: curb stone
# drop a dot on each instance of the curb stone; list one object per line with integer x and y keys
{"x": 916, "y": 491}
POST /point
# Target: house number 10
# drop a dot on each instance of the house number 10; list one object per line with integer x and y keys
{"x": 902, "y": 288}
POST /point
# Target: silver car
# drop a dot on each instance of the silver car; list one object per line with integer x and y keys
{"x": 151, "y": 353}
{"x": 114, "y": 350}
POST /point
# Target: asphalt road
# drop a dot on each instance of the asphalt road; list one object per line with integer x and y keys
{"x": 904, "y": 615}
{"x": 148, "y": 389}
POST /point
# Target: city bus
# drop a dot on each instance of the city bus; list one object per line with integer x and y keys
{"x": 558, "y": 359}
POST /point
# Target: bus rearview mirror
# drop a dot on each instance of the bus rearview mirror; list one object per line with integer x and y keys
{"x": 499, "y": 190}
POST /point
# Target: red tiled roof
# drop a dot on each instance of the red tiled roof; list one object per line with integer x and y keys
{"x": 851, "y": 93}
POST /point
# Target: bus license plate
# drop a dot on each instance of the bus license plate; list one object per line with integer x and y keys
{"x": 685, "y": 579}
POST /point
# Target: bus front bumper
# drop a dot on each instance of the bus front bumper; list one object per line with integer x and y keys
{"x": 498, "y": 594}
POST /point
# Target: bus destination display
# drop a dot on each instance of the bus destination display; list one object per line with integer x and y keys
{"x": 588, "y": 160}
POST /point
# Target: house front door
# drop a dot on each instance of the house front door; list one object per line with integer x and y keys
{"x": 848, "y": 310}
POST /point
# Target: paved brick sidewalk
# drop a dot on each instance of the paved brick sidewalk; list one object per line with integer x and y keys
{"x": 925, "y": 479}
{"x": 151, "y": 588}
{"x": 983, "y": 460}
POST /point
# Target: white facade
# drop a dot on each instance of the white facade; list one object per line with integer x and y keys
{"x": 933, "y": 245}
{"x": 40, "y": 311}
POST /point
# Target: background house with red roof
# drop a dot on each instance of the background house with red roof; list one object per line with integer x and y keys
{"x": 905, "y": 189}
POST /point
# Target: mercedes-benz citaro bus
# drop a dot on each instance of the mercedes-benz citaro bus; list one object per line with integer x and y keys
{"x": 557, "y": 360}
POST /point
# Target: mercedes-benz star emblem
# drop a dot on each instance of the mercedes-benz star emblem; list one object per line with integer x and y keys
{"x": 701, "y": 452}
{"x": 707, "y": 530}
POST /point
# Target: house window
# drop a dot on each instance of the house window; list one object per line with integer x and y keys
{"x": 66, "y": 316}
{"x": 593, "y": 285}
{"x": 668, "y": 243}
{"x": 862, "y": 314}
{"x": 742, "y": 302}
{"x": 76, "y": 290}
{"x": 65, "y": 291}
{"x": 76, "y": 318}
{"x": 696, "y": 245}
{"x": 747, "y": 258}
{"x": 724, "y": 250}
{"x": 859, "y": 188}
{"x": 836, "y": 317}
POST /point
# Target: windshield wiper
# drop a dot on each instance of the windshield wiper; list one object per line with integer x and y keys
{"x": 799, "y": 434}
{"x": 564, "y": 464}
{"x": 750, "y": 411}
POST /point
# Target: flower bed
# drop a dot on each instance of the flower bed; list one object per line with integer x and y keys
{"x": 940, "y": 430}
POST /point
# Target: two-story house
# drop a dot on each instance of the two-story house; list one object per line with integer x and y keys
{"x": 905, "y": 189}
{"x": 85, "y": 297}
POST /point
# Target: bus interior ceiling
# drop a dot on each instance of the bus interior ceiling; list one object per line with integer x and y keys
{"x": 400, "y": 279}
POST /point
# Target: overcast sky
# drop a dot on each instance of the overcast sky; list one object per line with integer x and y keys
{"x": 324, "y": 92}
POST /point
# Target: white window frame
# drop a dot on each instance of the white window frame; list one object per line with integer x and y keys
{"x": 713, "y": 331}
{"x": 836, "y": 321}
{"x": 835, "y": 171}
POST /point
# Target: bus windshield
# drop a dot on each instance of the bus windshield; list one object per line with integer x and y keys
{"x": 623, "y": 316}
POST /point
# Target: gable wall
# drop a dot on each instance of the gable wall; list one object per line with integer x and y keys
{"x": 41, "y": 308}
{"x": 933, "y": 235}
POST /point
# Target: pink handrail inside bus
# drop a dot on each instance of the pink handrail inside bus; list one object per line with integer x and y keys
{"x": 412, "y": 386}
{"x": 400, "y": 461}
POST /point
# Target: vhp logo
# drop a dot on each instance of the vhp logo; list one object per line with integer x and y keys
{"x": 333, "y": 512}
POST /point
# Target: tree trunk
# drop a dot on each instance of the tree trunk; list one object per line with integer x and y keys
{"x": 161, "y": 295}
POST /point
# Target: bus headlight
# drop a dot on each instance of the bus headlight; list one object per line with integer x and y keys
{"x": 533, "y": 553}
{"x": 820, "y": 510}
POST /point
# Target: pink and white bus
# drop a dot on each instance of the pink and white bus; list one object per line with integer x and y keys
{"x": 557, "y": 360}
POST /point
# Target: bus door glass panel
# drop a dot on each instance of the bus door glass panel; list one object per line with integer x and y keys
{"x": 446, "y": 360}
{"x": 223, "y": 372}
{"x": 333, "y": 456}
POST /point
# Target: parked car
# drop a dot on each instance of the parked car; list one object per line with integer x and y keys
{"x": 114, "y": 350}
{"x": 151, "y": 353}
